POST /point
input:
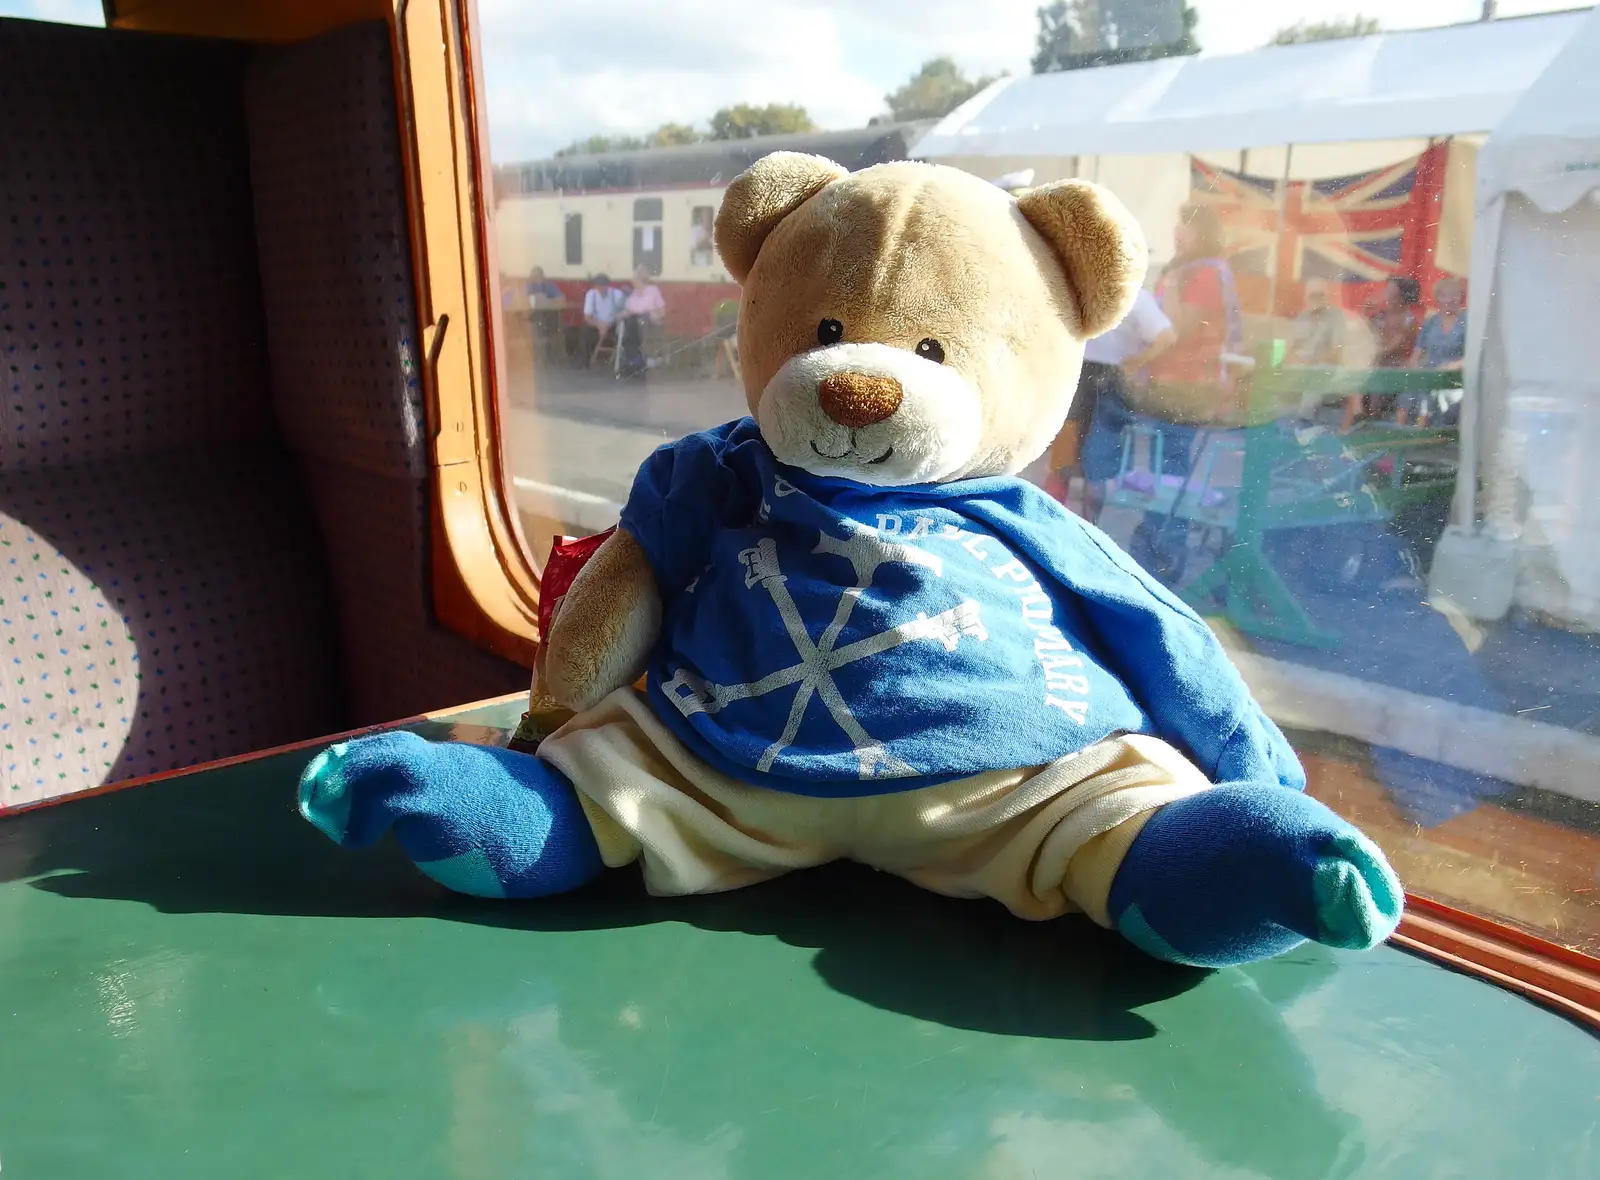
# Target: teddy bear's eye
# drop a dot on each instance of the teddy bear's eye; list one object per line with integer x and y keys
{"x": 931, "y": 350}
{"x": 829, "y": 332}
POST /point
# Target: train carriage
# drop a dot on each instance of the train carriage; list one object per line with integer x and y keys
{"x": 579, "y": 216}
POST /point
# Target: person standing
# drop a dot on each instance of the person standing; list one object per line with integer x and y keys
{"x": 1186, "y": 384}
{"x": 1141, "y": 336}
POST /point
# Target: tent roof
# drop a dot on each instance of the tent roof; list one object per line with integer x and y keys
{"x": 1548, "y": 146}
{"x": 1453, "y": 80}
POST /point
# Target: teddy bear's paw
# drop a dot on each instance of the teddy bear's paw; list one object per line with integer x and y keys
{"x": 478, "y": 820}
{"x": 1242, "y": 873}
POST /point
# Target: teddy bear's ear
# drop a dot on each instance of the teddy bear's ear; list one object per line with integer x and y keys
{"x": 763, "y": 195}
{"x": 1099, "y": 244}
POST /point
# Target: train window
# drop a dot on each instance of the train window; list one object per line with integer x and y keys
{"x": 1350, "y": 422}
{"x": 573, "y": 226}
{"x": 702, "y": 221}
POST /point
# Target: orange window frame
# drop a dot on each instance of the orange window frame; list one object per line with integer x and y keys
{"x": 485, "y": 585}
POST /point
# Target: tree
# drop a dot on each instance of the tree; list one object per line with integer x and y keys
{"x": 935, "y": 90}
{"x": 674, "y": 135}
{"x": 598, "y": 144}
{"x": 1327, "y": 30}
{"x": 1076, "y": 34}
{"x": 735, "y": 122}
{"x": 745, "y": 121}
{"x": 666, "y": 135}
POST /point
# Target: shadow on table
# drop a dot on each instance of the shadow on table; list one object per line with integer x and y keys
{"x": 231, "y": 842}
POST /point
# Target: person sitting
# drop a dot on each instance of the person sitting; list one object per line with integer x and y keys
{"x": 602, "y": 308}
{"x": 1395, "y": 324}
{"x": 643, "y": 306}
{"x": 540, "y": 287}
{"x": 1319, "y": 331}
{"x": 544, "y": 320}
{"x": 1184, "y": 386}
{"x": 1442, "y": 346}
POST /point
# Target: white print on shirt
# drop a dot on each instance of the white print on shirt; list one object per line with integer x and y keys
{"x": 1065, "y": 689}
{"x": 866, "y": 551}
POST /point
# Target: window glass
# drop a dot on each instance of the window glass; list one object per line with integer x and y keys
{"x": 1349, "y": 421}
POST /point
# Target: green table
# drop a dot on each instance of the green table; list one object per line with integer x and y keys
{"x": 193, "y": 983}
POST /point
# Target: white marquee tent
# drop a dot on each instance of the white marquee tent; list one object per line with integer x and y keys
{"x": 1428, "y": 82}
{"x": 1533, "y": 382}
{"x": 1329, "y": 108}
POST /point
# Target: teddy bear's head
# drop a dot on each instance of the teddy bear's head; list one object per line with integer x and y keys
{"x": 911, "y": 323}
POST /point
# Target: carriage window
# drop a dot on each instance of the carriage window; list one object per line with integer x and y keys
{"x": 702, "y": 220}
{"x": 1349, "y": 421}
{"x": 573, "y": 224}
{"x": 647, "y": 238}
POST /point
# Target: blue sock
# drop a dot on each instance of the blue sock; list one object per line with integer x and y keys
{"x": 1245, "y": 872}
{"x": 478, "y": 820}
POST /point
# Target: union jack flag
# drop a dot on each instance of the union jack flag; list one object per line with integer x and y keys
{"x": 1357, "y": 230}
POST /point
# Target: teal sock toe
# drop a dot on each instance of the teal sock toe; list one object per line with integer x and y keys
{"x": 1243, "y": 872}
{"x": 479, "y": 820}
{"x": 324, "y": 799}
{"x": 471, "y": 873}
{"x": 1358, "y": 897}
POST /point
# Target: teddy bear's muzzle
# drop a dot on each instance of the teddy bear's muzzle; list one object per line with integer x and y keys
{"x": 859, "y": 399}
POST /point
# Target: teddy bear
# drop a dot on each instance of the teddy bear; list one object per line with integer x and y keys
{"x": 860, "y": 634}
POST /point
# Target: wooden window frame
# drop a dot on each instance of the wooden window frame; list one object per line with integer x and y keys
{"x": 485, "y": 584}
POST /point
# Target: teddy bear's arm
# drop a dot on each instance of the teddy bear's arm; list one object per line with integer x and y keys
{"x": 608, "y": 622}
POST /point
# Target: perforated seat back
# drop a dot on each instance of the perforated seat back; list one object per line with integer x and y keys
{"x": 163, "y": 599}
{"x": 337, "y": 278}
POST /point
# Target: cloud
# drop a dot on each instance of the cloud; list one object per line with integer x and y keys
{"x": 559, "y": 71}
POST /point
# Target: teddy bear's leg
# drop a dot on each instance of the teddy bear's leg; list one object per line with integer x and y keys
{"x": 482, "y": 821}
{"x": 1132, "y": 834}
{"x": 1245, "y": 871}
{"x": 692, "y": 829}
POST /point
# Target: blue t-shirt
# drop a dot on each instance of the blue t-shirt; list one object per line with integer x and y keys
{"x": 823, "y": 637}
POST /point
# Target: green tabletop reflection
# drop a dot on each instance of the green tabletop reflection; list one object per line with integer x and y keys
{"x": 193, "y": 983}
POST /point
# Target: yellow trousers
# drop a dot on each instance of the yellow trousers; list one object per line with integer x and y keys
{"x": 1043, "y": 841}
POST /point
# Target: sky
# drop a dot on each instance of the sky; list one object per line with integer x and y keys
{"x": 559, "y": 70}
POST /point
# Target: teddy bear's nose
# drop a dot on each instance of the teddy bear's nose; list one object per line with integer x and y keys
{"x": 858, "y": 399}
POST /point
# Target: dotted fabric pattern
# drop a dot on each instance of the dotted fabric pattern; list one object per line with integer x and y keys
{"x": 398, "y": 664}
{"x": 335, "y": 251}
{"x": 163, "y": 598}
{"x": 157, "y": 612}
{"x": 342, "y": 319}
{"x": 130, "y": 314}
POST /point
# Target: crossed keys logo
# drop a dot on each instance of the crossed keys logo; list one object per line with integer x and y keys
{"x": 817, "y": 661}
